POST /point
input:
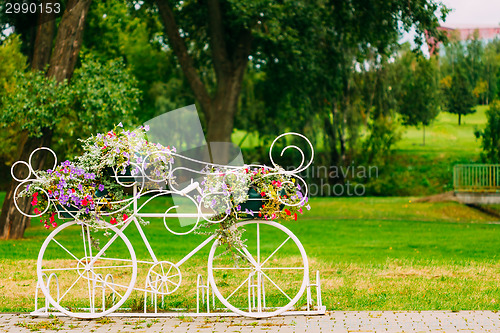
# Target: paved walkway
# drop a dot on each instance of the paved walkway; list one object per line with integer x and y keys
{"x": 337, "y": 321}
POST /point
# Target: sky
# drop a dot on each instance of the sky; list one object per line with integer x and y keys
{"x": 465, "y": 13}
{"x": 473, "y": 13}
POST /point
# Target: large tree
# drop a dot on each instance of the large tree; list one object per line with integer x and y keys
{"x": 305, "y": 48}
{"x": 62, "y": 62}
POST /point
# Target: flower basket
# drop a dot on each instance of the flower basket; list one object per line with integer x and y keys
{"x": 254, "y": 202}
{"x": 125, "y": 178}
{"x": 66, "y": 212}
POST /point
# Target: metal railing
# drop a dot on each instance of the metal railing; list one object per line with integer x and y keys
{"x": 476, "y": 178}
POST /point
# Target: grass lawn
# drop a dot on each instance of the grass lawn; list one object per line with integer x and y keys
{"x": 373, "y": 254}
{"x": 445, "y": 136}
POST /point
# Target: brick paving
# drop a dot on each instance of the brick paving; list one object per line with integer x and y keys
{"x": 336, "y": 321}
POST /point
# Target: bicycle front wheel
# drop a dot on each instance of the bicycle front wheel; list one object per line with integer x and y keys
{"x": 270, "y": 276}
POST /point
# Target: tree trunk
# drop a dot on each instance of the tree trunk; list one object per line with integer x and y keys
{"x": 13, "y": 223}
{"x": 69, "y": 40}
{"x": 423, "y": 143}
{"x": 459, "y": 119}
{"x": 221, "y": 111}
{"x": 44, "y": 38}
{"x": 61, "y": 67}
{"x": 229, "y": 65}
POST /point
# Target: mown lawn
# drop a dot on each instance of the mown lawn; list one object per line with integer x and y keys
{"x": 373, "y": 254}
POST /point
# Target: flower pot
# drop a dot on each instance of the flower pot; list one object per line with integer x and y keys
{"x": 101, "y": 194}
{"x": 254, "y": 202}
{"x": 66, "y": 212}
{"x": 125, "y": 178}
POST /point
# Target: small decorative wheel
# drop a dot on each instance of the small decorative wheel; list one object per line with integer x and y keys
{"x": 163, "y": 278}
{"x": 83, "y": 269}
{"x": 270, "y": 275}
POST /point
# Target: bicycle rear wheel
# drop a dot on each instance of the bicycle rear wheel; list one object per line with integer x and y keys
{"x": 90, "y": 282}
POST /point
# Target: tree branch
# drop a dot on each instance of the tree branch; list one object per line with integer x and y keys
{"x": 180, "y": 50}
{"x": 217, "y": 42}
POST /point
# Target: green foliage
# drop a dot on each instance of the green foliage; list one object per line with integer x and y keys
{"x": 38, "y": 102}
{"x": 383, "y": 135}
{"x": 420, "y": 91}
{"x": 98, "y": 96}
{"x": 116, "y": 29}
{"x": 490, "y": 135}
{"x": 457, "y": 91}
{"x": 11, "y": 62}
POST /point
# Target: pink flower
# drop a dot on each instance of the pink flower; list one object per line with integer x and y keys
{"x": 113, "y": 220}
{"x": 54, "y": 224}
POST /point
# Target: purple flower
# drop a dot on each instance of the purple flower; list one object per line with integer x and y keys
{"x": 298, "y": 187}
{"x": 238, "y": 208}
{"x": 80, "y": 187}
{"x": 49, "y": 171}
{"x": 214, "y": 202}
{"x": 228, "y": 211}
{"x": 146, "y": 128}
{"x": 66, "y": 163}
{"x": 248, "y": 211}
{"x": 101, "y": 187}
{"x": 120, "y": 124}
{"x": 308, "y": 207}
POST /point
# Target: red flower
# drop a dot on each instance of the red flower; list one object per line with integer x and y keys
{"x": 295, "y": 216}
{"x": 34, "y": 202}
{"x": 36, "y": 211}
{"x": 288, "y": 212}
{"x": 113, "y": 220}
{"x": 51, "y": 219}
{"x": 84, "y": 202}
{"x": 73, "y": 190}
{"x": 263, "y": 194}
{"x": 125, "y": 217}
{"x": 260, "y": 214}
{"x": 35, "y": 194}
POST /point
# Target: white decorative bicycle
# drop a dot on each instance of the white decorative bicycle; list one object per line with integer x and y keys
{"x": 81, "y": 278}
